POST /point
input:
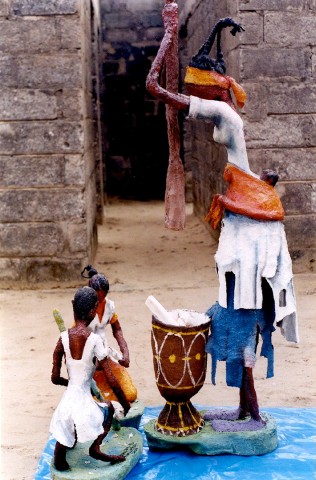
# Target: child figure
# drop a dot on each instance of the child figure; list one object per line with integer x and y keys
{"x": 78, "y": 417}
{"x": 105, "y": 315}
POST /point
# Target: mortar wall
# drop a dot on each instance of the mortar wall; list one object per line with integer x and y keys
{"x": 47, "y": 142}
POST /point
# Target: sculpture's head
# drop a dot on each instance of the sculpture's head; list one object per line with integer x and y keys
{"x": 205, "y": 77}
{"x": 97, "y": 281}
{"x": 85, "y": 304}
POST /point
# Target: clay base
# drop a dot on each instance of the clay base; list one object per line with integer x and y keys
{"x": 134, "y": 415}
{"x": 210, "y": 442}
{"x": 126, "y": 441}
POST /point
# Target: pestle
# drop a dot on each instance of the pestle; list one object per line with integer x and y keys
{"x": 159, "y": 311}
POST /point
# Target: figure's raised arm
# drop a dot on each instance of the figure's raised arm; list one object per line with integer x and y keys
{"x": 177, "y": 100}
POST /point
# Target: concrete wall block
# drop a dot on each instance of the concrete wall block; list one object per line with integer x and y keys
{"x": 232, "y": 59}
{"x": 27, "y": 104}
{"x": 74, "y": 170}
{"x": 143, "y": 5}
{"x": 70, "y": 103}
{"x": 118, "y": 20}
{"x": 278, "y": 5}
{"x": 69, "y": 31}
{"x": 121, "y": 35}
{"x": 303, "y": 230}
{"x": 232, "y": 7}
{"x": 41, "y": 271}
{"x": 10, "y": 273}
{"x": 252, "y": 22}
{"x": 28, "y": 171}
{"x": 298, "y": 197}
{"x": 26, "y": 272}
{"x": 28, "y": 35}
{"x": 44, "y": 205}
{"x": 275, "y": 63}
{"x": 43, "y": 7}
{"x": 77, "y": 237}
{"x": 40, "y": 137}
{"x": 282, "y": 131}
{"x": 29, "y": 239}
{"x": 291, "y": 98}
{"x": 269, "y": 98}
{"x": 152, "y": 19}
{"x": 106, "y": 6}
{"x": 280, "y": 29}
{"x": 256, "y": 106}
{"x": 4, "y": 8}
{"x": 41, "y": 71}
{"x": 290, "y": 164}
{"x": 303, "y": 260}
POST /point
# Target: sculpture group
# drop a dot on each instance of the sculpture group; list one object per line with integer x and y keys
{"x": 255, "y": 293}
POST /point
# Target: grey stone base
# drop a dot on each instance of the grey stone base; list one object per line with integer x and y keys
{"x": 210, "y": 442}
{"x": 126, "y": 441}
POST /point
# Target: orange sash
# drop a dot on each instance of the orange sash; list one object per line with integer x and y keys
{"x": 246, "y": 195}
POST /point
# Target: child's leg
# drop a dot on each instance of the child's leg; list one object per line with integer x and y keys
{"x": 94, "y": 450}
{"x": 60, "y": 457}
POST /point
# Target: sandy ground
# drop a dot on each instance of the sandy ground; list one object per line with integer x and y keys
{"x": 140, "y": 257}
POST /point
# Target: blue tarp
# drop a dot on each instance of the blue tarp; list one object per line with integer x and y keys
{"x": 295, "y": 457}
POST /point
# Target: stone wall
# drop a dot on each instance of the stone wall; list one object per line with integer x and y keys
{"x": 275, "y": 62}
{"x": 135, "y": 138}
{"x": 48, "y": 140}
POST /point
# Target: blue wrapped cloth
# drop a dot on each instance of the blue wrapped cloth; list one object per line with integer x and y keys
{"x": 235, "y": 334}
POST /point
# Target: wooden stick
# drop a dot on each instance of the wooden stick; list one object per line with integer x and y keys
{"x": 175, "y": 183}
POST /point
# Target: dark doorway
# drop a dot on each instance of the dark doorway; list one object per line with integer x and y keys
{"x": 136, "y": 138}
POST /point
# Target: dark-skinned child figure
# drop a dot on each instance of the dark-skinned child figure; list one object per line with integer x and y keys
{"x": 105, "y": 316}
{"x": 78, "y": 418}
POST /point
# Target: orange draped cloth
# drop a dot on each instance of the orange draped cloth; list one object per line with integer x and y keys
{"x": 246, "y": 195}
{"x": 197, "y": 76}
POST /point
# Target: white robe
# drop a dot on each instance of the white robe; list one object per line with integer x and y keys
{"x": 77, "y": 411}
{"x": 249, "y": 248}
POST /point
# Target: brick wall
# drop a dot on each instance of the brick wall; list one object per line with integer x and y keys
{"x": 275, "y": 62}
{"x": 48, "y": 141}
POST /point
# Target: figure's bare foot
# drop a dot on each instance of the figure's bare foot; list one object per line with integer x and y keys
{"x": 61, "y": 465}
{"x": 238, "y": 426}
{"x": 225, "y": 414}
{"x": 98, "y": 455}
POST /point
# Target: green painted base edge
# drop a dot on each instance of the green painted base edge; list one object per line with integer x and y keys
{"x": 126, "y": 441}
{"x": 134, "y": 415}
{"x": 210, "y": 442}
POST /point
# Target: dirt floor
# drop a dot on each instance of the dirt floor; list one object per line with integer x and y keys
{"x": 140, "y": 257}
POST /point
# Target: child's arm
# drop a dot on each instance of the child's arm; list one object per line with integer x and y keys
{"x": 57, "y": 361}
{"x": 119, "y": 337}
{"x": 105, "y": 364}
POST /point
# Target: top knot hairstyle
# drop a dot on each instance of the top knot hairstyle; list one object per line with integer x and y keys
{"x": 97, "y": 281}
{"x": 202, "y": 59}
{"x": 205, "y": 71}
{"x": 85, "y": 300}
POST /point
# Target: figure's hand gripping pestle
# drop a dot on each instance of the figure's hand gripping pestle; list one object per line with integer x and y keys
{"x": 158, "y": 310}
